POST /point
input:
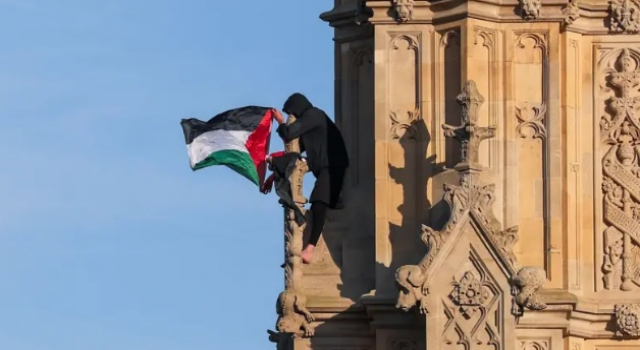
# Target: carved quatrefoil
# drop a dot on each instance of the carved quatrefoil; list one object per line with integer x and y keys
{"x": 469, "y": 294}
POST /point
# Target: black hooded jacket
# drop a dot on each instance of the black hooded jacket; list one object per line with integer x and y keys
{"x": 318, "y": 135}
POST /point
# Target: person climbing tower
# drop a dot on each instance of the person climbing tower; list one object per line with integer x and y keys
{"x": 326, "y": 156}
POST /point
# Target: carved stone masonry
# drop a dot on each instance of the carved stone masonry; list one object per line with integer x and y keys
{"x": 624, "y": 16}
{"x": 571, "y": 12}
{"x": 530, "y": 9}
{"x": 410, "y": 279}
{"x": 620, "y": 128}
{"x": 528, "y": 281}
{"x": 403, "y": 10}
{"x": 294, "y": 320}
{"x": 628, "y": 319}
{"x": 531, "y": 118}
{"x": 470, "y": 294}
{"x": 534, "y": 345}
{"x": 469, "y": 135}
{"x": 401, "y": 126}
{"x": 469, "y": 200}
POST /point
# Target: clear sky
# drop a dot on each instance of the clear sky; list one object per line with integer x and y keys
{"x": 108, "y": 240}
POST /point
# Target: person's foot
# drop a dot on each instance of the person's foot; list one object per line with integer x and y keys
{"x": 307, "y": 254}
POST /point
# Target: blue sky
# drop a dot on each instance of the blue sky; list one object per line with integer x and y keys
{"x": 107, "y": 239}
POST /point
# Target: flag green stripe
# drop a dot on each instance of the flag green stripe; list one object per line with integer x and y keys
{"x": 214, "y": 141}
{"x": 239, "y": 161}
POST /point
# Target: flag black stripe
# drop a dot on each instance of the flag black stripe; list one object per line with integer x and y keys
{"x": 245, "y": 119}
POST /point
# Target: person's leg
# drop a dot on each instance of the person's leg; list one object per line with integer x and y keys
{"x": 319, "y": 213}
{"x": 319, "y": 199}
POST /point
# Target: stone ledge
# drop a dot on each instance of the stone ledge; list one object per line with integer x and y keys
{"x": 346, "y": 14}
{"x": 332, "y": 304}
{"x": 558, "y": 297}
{"x": 591, "y": 21}
{"x": 566, "y": 311}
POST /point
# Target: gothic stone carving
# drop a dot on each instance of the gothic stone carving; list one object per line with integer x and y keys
{"x": 620, "y": 128}
{"x": 469, "y": 199}
{"x": 401, "y": 125}
{"x": 531, "y": 118}
{"x": 530, "y": 9}
{"x": 470, "y": 294}
{"x": 623, "y": 16}
{"x": 474, "y": 309}
{"x": 293, "y": 317}
{"x": 410, "y": 279}
{"x": 404, "y": 121}
{"x": 469, "y": 135}
{"x": 529, "y": 280}
{"x": 534, "y": 345}
{"x": 571, "y": 12}
{"x": 628, "y": 319}
{"x": 403, "y": 10}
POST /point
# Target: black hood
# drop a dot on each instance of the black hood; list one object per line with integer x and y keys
{"x": 297, "y": 104}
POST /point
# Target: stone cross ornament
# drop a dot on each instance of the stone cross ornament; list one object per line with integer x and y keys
{"x": 469, "y": 134}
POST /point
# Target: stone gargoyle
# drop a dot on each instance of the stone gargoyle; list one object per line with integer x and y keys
{"x": 293, "y": 316}
{"x": 528, "y": 282}
{"x": 411, "y": 280}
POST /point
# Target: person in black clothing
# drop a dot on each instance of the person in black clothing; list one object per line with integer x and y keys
{"x": 326, "y": 156}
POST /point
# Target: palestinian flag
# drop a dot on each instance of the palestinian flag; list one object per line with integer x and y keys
{"x": 238, "y": 138}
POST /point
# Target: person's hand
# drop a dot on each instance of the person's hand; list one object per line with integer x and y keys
{"x": 266, "y": 187}
{"x": 278, "y": 116}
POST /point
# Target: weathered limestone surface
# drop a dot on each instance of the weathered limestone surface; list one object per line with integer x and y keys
{"x": 294, "y": 319}
{"x": 560, "y": 80}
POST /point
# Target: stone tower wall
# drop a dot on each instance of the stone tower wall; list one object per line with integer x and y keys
{"x": 561, "y": 83}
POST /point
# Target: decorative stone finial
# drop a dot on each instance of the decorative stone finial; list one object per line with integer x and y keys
{"x": 469, "y": 134}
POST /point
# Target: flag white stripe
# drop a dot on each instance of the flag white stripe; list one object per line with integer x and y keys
{"x": 217, "y": 140}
